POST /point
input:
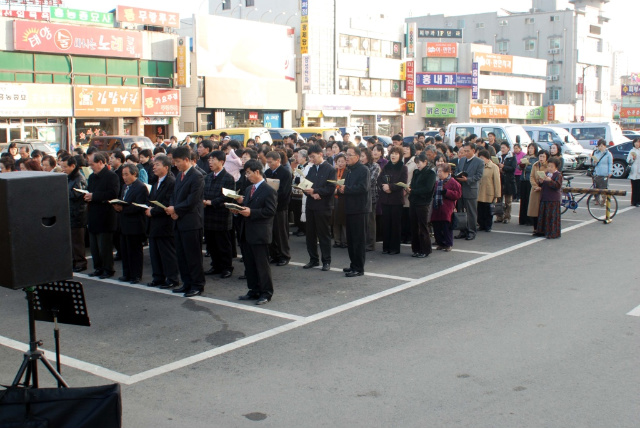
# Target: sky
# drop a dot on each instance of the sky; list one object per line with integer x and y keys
{"x": 621, "y": 12}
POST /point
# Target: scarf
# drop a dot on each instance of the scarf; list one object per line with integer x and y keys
{"x": 437, "y": 199}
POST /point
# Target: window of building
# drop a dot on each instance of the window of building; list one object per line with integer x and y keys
{"x": 555, "y": 42}
{"x": 504, "y": 23}
{"x": 480, "y": 25}
{"x": 554, "y": 94}
{"x": 554, "y": 69}
{"x": 250, "y": 3}
{"x": 439, "y": 96}
{"x": 530, "y": 45}
{"x": 594, "y": 29}
{"x": 554, "y": 18}
{"x": 226, "y": 4}
{"x": 529, "y": 20}
{"x": 503, "y": 46}
{"x": 440, "y": 65}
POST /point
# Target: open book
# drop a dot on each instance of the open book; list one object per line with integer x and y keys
{"x": 541, "y": 175}
{"x": 118, "y": 202}
{"x": 146, "y": 207}
{"x": 158, "y": 204}
{"x": 495, "y": 160}
{"x": 81, "y": 191}
{"x": 230, "y": 193}
{"x": 403, "y": 185}
{"x": 304, "y": 184}
{"x": 337, "y": 182}
{"x": 233, "y": 207}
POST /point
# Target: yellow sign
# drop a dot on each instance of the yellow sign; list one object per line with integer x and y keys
{"x": 304, "y": 37}
{"x": 403, "y": 71}
{"x": 183, "y": 62}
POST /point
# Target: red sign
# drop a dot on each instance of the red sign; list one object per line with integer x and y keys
{"x": 135, "y": 15}
{"x": 106, "y": 101}
{"x": 71, "y": 39}
{"x": 630, "y": 112}
{"x": 443, "y": 50}
{"x": 580, "y": 88}
{"x": 253, "y": 115}
{"x": 26, "y": 14}
{"x": 160, "y": 102}
{"x": 410, "y": 84}
{"x": 551, "y": 113}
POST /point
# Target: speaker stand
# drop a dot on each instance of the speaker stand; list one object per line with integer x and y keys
{"x": 29, "y": 367}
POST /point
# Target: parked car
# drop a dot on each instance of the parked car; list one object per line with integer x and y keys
{"x": 382, "y": 139}
{"x": 43, "y": 146}
{"x": 620, "y": 153}
{"x": 110, "y": 143}
{"x": 631, "y": 133}
{"x": 575, "y": 156}
{"x": 278, "y": 134}
{"x": 588, "y": 133}
{"x": 307, "y": 132}
{"x": 509, "y": 132}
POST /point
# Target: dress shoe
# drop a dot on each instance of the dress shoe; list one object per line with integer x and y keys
{"x": 300, "y": 233}
{"x": 326, "y": 267}
{"x": 422, "y": 255}
{"x": 154, "y": 284}
{"x": 505, "y": 221}
{"x": 283, "y": 262}
{"x": 249, "y": 296}
{"x": 460, "y": 235}
{"x": 414, "y": 254}
{"x": 439, "y": 247}
{"x": 498, "y": 220}
{"x": 263, "y": 300}
{"x": 487, "y": 229}
{"x": 182, "y": 289}
{"x": 226, "y": 274}
{"x": 336, "y": 245}
{"x": 124, "y": 279}
{"x": 135, "y": 281}
{"x": 344, "y": 246}
{"x": 385, "y": 251}
{"x": 79, "y": 269}
{"x": 206, "y": 254}
{"x": 212, "y": 271}
{"x": 96, "y": 272}
{"x": 347, "y": 270}
{"x": 242, "y": 277}
{"x": 311, "y": 265}
{"x": 393, "y": 253}
{"x": 471, "y": 237}
{"x": 193, "y": 293}
{"x": 117, "y": 257}
{"x": 106, "y": 275}
{"x": 447, "y": 249}
{"x": 169, "y": 284}
{"x": 353, "y": 273}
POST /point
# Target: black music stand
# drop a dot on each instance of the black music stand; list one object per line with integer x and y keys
{"x": 58, "y": 302}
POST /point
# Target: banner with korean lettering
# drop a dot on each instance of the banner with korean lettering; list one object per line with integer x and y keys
{"x": 494, "y": 62}
{"x": 136, "y": 15}
{"x": 183, "y": 62}
{"x": 630, "y": 90}
{"x": 439, "y": 33}
{"x": 442, "y": 50}
{"x": 410, "y": 80}
{"x": 443, "y": 80}
{"x": 412, "y": 39}
{"x": 304, "y": 37}
{"x": 475, "y": 76}
{"x": 629, "y": 112}
{"x": 444, "y": 110}
{"x": 34, "y": 100}
{"x": 488, "y": 111}
{"x": 73, "y": 39}
{"x": 160, "y": 102}
{"x": 25, "y": 14}
{"x": 75, "y": 16}
{"x": 106, "y": 101}
{"x": 306, "y": 72}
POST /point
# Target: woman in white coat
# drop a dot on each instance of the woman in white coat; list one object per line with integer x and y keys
{"x": 633, "y": 159}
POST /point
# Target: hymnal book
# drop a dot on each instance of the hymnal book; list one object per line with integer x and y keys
{"x": 524, "y": 160}
{"x": 542, "y": 175}
{"x": 118, "y": 202}
{"x": 461, "y": 174}
{"x": 230, "y": 194}
{"x": 403, "y": 185}
{"x": 233, "y": 207}
{"x": 337, "y": 182}
{"x": 158, "y": 204}
{"x": 146, "y": 207}
{"x": 274, "y": 183}
{"x": 304, "y": 184}
{"x": 495, "y": 160}
{"x": 81, "y": 191}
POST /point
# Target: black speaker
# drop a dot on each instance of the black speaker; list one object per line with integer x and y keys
{"x": 35, "y": 237}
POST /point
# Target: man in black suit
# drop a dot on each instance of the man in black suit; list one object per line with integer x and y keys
{"x": 162, "y": 248}
{"x": 101, "y": 222}
{"x": 185, "y": 209}
{"x": 318, "y": 209}
{"x": 279, "y": 249}
{"x": 204, "y": 151}
{"x": 132, "y": 224}
{"x": 357, "y": 205}
{"x": 116, "y": 160}
{"x": 256, "y": 232}
{"x": 217, "y": 218}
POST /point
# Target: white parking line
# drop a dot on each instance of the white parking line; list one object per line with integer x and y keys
{"x": 483, "y": 253}
{"x": 377, "y": 275}
{"x": 634, "y": 312}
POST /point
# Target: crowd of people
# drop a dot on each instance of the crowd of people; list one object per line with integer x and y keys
{"x": 338, "y": 194}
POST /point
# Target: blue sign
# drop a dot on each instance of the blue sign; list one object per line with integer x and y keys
{"x": 272, "y": 120}
{"x": 305, "y": 8}
{"x": 474, "y": 81}
{"x": 443, "y": 80}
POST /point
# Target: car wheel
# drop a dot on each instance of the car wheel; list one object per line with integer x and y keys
{"x": 619, "y": 169}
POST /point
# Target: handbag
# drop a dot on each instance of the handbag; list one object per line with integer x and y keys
{"x": 497, "y": 209}
{"x": 458, "y": 221}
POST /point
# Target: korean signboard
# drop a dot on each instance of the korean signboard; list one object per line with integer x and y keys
{"x": 106, "y": 101}
{"x": 443, "y": 80}
{"x": 630, "y": 90}
{"x": 183, "y": 62}
{"x": 410, "y": 81}
{"x": 71, "y": 39}
{"x": 412, "y": 38}
{"x": 306, "y": 72}
{"x": 439, "y": 33}
{"x": 489, "y": 111}
{"x": 494, "y": 62}
{"x": 442, "y": 50}
{"x": 32, "y": 2}
{"x": 551, "y": 113}
{"x": 305, "y": 8}
{"x": 136, "y": 15}
{"x": 30, "y": 99}
{"x": 160, "y": 102}
{"x": 410, "y": 107}
{"x": 475, "y": 76}
{"x": 304, "y": 38}
{"x": 445, "y": 110}
{"x": 629, "y": 112}
{"x": 25, "y": 14}
{"x": 526, "y": 112}
{"x": 75, "y": 16}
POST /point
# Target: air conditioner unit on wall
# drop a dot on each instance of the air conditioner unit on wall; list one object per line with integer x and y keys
{"x": 554, "y": 51}
{"x": 485, "y": 101}
{"x": 549, "y": 77}
{"x": 555, "y": 77}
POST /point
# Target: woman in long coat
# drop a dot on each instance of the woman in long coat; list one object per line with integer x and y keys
{"x": 534, "y": 196}
{"x": 489, "y": 191}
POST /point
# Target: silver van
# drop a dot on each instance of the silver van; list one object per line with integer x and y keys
{"x": 509, "y": 132}
{"x": 588, "y": 133}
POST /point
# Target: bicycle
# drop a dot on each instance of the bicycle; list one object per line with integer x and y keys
{"x": 593, "y": 203}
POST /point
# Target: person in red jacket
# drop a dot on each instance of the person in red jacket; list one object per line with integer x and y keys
{"x": 447, "y": 192}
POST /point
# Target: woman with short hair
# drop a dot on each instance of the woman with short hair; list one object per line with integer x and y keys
{"x": 392, "y": 199}
{"x": 446, "y": 193}
{"x": 420, "y": 194}
{"x": 489, "y": 191}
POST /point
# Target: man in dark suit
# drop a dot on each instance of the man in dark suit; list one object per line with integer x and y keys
{"x": 256, "y": 232}
{"x": 279, "y": 249}
{"x": 357, "y": 205}
{"x": 318, "y": 209}
{"x": 204, "y": 151}
{"x": 217, "y": 218}
{"x": 473, "y": 169}
{"x": 101, "y": 221}
{"x": 162, "y": 248}
{"x": 116, "y": 160}
{"x": 185, "y": 209}
{"x": 132, "y": 224}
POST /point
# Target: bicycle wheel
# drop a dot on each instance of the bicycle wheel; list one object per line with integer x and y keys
{"x": 564, "y": 204}
{"x": 599, "y": 212}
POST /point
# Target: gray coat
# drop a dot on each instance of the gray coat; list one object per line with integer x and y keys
{"x": 475, "y": 169}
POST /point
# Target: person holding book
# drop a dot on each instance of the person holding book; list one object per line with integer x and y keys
{"x": 391, "y": 198}
{"x": 536, "y": 181}
{"x": 507, "y": 163}
{"x": 446, "y": 194}
{"x": 366, "y": 158}
{"x": 524, "y": 165}
{"x": 469, "y": 172}
{"x": 489, "y": 190}
{"x": 77, "y": 211}
{"x": 633, "y": 159}
{"x": 549, "y": 223}
{"x": 420, "y": 196}
{"x": 339, "y": 221}
{"x": 279, "y": 249}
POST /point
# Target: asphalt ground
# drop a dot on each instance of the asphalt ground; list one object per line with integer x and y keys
{"x": 506, "y": 330}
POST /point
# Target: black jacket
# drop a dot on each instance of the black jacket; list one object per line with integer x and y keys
{"x": 257, "y": 229}
{"x": 422, "y": 187}
{"x": 161, "y": 224}
{"x": 216, "y": 216}
{"x": 392, "y": 174}
{"x": 203, "y": 163}
{"x": 132, "y": 218}
{"x": 77, "y": 205}
{"x": 187, "y": 200}
{"x": 103, "y": 186}
{"x": 149, "y": 168}
{"x": 507, "y": 175}
{"x": 284, "y": 191}
{"x": 357, "y": 187}
{"x": 321, "y": 187}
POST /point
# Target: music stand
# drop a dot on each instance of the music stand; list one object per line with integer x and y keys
{"x": 58, "y": 302}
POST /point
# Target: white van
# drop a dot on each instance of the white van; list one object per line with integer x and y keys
{"x": 588, "y": 133}
{"x": 574, "y": 155}
{"x": 509, "y": 132}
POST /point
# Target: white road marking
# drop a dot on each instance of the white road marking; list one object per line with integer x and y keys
{"x": 456, "y": 250}
{"x": 377, "y": 275}
{"x": 511, "y": 233}
{"x": 634, "y": 312}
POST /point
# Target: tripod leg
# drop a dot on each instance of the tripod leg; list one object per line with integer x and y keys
{"x": 54, "y": 373}
{"x": 24, "y": 367}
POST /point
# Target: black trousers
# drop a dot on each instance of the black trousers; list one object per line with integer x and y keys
{"x": 485, "y": 219}
{"x": 357, "y": 240}
{"x": 190, "y": 258}
{"x": 319, "y": 230}
{"x": 78, "y": 249}
{"x": 131, "y": 253}
{"x": 525, "y": 190}
{"x": 257, "y": 269}
{"x": 405, "y": 234}
{"x": 102, "y": 251}
{"x": 164, "y": 263}
{"x": 635, "y": 192}
{"x": 420, "y": 239}
{"x": 391, "y": 227}
{"x": 296, "y": 207}
{"x": 219, "y": 247}
{"x": 279, "y": 248}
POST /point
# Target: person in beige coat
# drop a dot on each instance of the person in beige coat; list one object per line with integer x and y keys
{"x": 534, "y": 197}
{"x": 488, "y": 191}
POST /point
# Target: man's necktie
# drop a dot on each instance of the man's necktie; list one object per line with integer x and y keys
{"x": 126, "y": 189}
{"x": 182, "y": 176}
{"x": 253, "y": 190}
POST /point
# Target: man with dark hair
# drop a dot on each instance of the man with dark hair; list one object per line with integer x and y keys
{"x": 345, "y": 138}
{"x": 185, "y": 209}
{"x": 103, "y": 186}
{"x": 204, "y": 150}
{"x": 256, "y": 233}
{"x": 146, "y": 163}
{"x": 24, "y": 152}
{"x": 279, "y": 249}
{"x": 37, "y": 155}
{"x": 116, "y": 160}
{"x": 396, "y": 140}
{"x": 217, "y": 218}
{"x": 357, "y": 205}
{"x": 77, "y": 211}
{"x": 318, "y": 209}
{"x": 469, "y": 173}
{"x": 162, "y": 248}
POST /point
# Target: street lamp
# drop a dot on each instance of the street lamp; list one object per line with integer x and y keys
{"x": 263, "y": 15}
{"x": 584, "y": 92}
{"x": 255, "y": 9}
{"x": 287, "y": 22}
{"x": 280, "y": 14}
{"x": 221, "y": 4}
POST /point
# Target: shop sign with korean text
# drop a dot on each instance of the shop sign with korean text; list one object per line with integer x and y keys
{"x": 630, "y": 90}
{"x": 442, "y": 50}
{"x": 443, "y": 80}
{"x": 410, "y": 81}
{"x": 629, "y": 112}
{"x": 439, "y": 33}
{"x": 475, "y": 75}
{"x": 183, "y": 62}
{"x": 106, "y": 101}
{"x": 488, "y": 111}
{"x": 75, "y": 16}
{"x": 136, "y": 15}
{"x": 494, "y": 62}
{"x": 304, "y": 37}
{"x": 33, "y": 100}
{"x": 526, "y": 112}
{"x": 160, "y": 102}
{"x": 444, "y": 110}
{"x": 306, "y": 72}
{"x": 78, "y": 40}
{"x": 25, "y": 14}
{"x": 412, "y": 39}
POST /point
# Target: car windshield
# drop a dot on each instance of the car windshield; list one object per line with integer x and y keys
{"x": 562, "y": 134}
{"x": 43, "y": 147}
{"x": 143, "y": 142}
